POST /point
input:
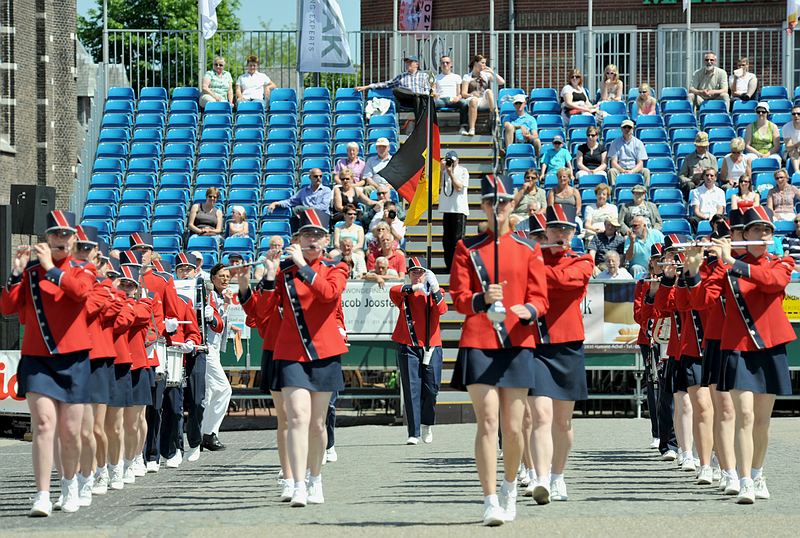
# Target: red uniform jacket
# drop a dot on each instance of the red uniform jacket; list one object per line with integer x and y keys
{"x": 664, "y": 303}
{"x": 102, "y": 307}
{"x": 51, "y": 306}
{"x": 411, "y": 326}
{"x": 141, "y": 333}
{"x": 261, "y": 313}
{"x": 164, "y": 285}
{"x": 187, "y": 332}
{"x": 567, "y": 278}
{"x": 753, "y": 289}
{"x": 691, "y": 336}
{"x": 644, "y": 313}
{"x": 311, "y": 299}
{"x": 122, "y": 327}
{"x": 521, "y": 266}
{"x": 712, "y": 311}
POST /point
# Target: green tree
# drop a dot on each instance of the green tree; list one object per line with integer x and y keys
{"x": 167, "y": 57}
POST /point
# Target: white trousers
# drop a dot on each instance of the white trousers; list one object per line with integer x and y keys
{"x": 218, "y": 393}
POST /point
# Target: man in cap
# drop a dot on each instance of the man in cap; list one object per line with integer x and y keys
{"x": 375, "y": 164}
{"x": 709, "y": 83}
{"x": 695, "y": 164}
{"x": 522, "y": 128}
{"x": 453, "y": 203}
{"x": 627, "y": 155}
{"x": 407, "y": 87}
{"x": 608, "y": 241}
{"x": 556, "y": 157}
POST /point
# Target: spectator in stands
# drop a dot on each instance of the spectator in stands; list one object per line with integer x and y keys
{"x": 709, "y": 83}
{"x": 355, "y": 163}
{"x": 556, "y": 157}
{"x": 351, "y": 230}
{"x": 782, "y": 197}
{"x": 707, "y": 199}
{"x": 523, "y": 128}
{"x": 388, "y": 212}
{"x": 350, "y": 256}
{"x": 613, "y": 88}
{"x": 273, "y": 253}
{"x": 396, "y": 258}
{"x": 253, "y": 85}
{"x": 522, "y": 222}
{"x": 743, "y": 83}
{"x": 382, "y": 272}
{"x": 475, "y": 89}
{"x": 592, "y": 155}
{"x": 528, "y": 194}
{"x": 791, "y": 138}
{"x": 217, "y": 84}
{"x": 613, "y": 271}
{"x": 791, "y": 243}
{"x": 734, "y": 164}
{"x": 381, "y": 229}
{"x": 603, "y": 210}
{"x": 609, "y": 240}
{"x": 238, "y": 227}
{"x": 645, "y": 102}
{"x": 640, "y": 207}
{"x": 447, "y": 90}
{"x": 637, "y": 245}
{"x": 762, "y": 137}
{"x": 315, "y": 195}
{"x": 691, "y": 172}
{"x": 745, "y": 196}
{"x": 627, "y": 155}
{"x": 574, "y": 98}
{"x": 375, "y": 164}
{"x": 407, "y": 87}
{"x": 206, "y": 218}
{"x": 564, "y": 193}
{"x": 347, "y": 194}
{"x": 453, "y": 204}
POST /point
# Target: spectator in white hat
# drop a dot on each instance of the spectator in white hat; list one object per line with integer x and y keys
{"x": 523, "y": 128}
{"x": 237, "y": 226}
{"x": 374, "y": 165}
{"x": 555, "y": 157}
{"x": 627, "y": 155}
{"x": 762, "y": 137}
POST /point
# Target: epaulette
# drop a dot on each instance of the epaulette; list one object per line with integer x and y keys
{"x": 476, "y": 240}
{"x": 524, "y": 241}
{"x": 163, "y": 276}
{"x": 78, "y": 263}
{"x": 332, "y": 262}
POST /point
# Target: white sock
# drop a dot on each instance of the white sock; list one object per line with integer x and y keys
{"x": 755, "y": 473}
{"x": 490, "y": 500}
{"x": 127, "y": 463}
{"x": 732, "y": 474}
{"x": 554, "y": 477}
{"x": 301, "y": 485}
{"x": 315, "y": 479}
{"x": 545, "y": 479}
{"x": 532, "y": 474}
{"x": 509, "y": 488}
{"x": 743, "y": 480}
{"x": 100, "y": 471}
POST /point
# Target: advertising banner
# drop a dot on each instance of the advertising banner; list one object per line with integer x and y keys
{"x": 10, "y": 403}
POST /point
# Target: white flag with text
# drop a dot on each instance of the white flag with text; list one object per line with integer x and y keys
{"x": 208, "y": 17}
{"x": 323, "y": 46}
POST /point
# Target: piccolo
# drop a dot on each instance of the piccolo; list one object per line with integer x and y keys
{"x": 691, "y": 244}
{"x": 670, "y": 264}
{"x": 256, "y": 262}
{"x": 552, "y": 245}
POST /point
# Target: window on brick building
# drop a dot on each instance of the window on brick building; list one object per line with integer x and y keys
{"x": 8, "y": 68}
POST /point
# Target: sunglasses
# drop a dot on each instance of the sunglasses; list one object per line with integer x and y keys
{"x": 761, "y": 111}
{"x": 85, "y": 247}
{"x": 556, "y": 142}
{"x": 219, "y": 65}
{"x": 212, "y": 197}
{"x": 592, "y": 134}
{"x": 446, "y": 63}
{"x": 795, "y": 113}
{"x": 319, "y": 175}
{"x": 350, "y": 214}
{"x": 627, "y": 127}
{"x": 530, "y": 177}
{"x": 610, "y": 73}
{"x": 741, "y": 181}
{"x": 710, "y": 175}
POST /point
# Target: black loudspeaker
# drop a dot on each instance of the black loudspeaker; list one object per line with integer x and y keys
{"x": 30, "y": 205}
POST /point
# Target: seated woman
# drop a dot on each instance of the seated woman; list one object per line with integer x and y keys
{"x": 596, "y": 217}
{"x": 475, "y": 90}
{"x": 349, "y": 230}
{"x": 217, "y": 84}
{"x": 355, "y": 163}
{"x": 238, "y": 227}
{"x": 613, "y": 88}
{"x": 574, "y": 98}
{"x": 745, "y": 195}
{"x": 763, "y": 138}
{"x": 734, "y": 164}
{"x": 347, "y": 194}
{"x": 253, "y": 85}
{"x": 206, "y": 218}
{"x": 782, "y": 197}
{"x": 645, "y": 102}
{"x": 564, "y": 193}
{"x": 592, "y": 155}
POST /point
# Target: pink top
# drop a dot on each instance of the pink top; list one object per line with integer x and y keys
{"x": 356, "y": 167}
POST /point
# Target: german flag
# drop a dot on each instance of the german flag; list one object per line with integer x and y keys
{"x": 406, "y": 169}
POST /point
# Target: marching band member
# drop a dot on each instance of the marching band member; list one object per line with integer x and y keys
{"x": 420, "y": 365}
{"x": 308, "y": 349}
{"x": 54, "y": 370}
{"x": 154, "y": 277}
{"x": 218, "y": 388}
{"x": 495, "y": 359}
{"x": 642, "y": 315}
{"x": 559, "y": 365}
{"x": 754, "y": 338}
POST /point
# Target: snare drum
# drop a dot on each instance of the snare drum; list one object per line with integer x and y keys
{"x": 174, "y": 368}
{"x": 160, "y": 348}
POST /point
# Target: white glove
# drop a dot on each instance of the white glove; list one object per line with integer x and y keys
{"x": 208, "y": 313}
{"x": 420, "y": 287}
{"x": 430, "y": 278}
{"x": 186, "y": 347}
{"x": 171, "y": 324}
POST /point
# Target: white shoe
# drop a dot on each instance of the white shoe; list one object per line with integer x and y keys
{"x": 128, "y": 476}
{"x": 716, "y": 473}
{"x": 115, "y": 481}
{"x": 760, "y": 487}
{"x": 723, "y": 482}
{"x": 315, "y": 493}
{"x": 412, "y": 441}
{"x": 42, "y": 507}
{"x": 747, "y": 494}
{"x": 69, "y": 492}
{"x": 528, "y": 491}
{"x": 669, "y": 455}
{"x": 471, "y": 132}
{"x": 704, "y": 476}
{"x": 558, "y": 490}
{"x": 427, "y": 434}
{"x": 493, "y": 516}
{"x": 58, "y": 503}
{"x": 732, "y": 486}
{"x": 85, "y": 491}
{"x": 540, "y": 492}
{"x": 655, "y": 442}
{"x": 464, "y": 132}
{"x": 688, "y": 465}
{"x": 331, "y": 454}
{"x": 299, "y": 498}
{"x": 100, "y": 486}
{"x": 524, "y": 477}
{"x": 193, "y": 454}
{"x": 508, "y": 503}
{"x": 175, "y": 461}
{"x": 287, "y": 490}
{"x": 152, "y": 466}
{"x": 139, "y": 467}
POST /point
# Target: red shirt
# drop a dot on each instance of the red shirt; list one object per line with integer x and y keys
{"x": 414, "y": 304}
{"x": 102, "y": 307}
{"x": 397, "y": 261}
{"x": 122, "y": 327}
{"x": 141, "y": 333}
{"x": 567, "y": 279}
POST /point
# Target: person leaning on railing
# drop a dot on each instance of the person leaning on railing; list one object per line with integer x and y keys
{"x": 217, "y": 84}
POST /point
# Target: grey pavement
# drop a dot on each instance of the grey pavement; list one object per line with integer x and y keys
{"x": 379, "y": 486}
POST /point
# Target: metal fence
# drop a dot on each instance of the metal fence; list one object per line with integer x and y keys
{"x": 526, "y": 59}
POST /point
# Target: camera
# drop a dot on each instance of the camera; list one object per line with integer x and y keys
{"x": 392, "y": 214}
{"x": 448, "y": 161}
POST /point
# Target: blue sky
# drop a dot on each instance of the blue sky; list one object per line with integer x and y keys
{"x": 253, "y": 10}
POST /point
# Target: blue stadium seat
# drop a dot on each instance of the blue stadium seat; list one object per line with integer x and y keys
{"x": 609, "y": 135}
{"x": 591, "y": 181}
{"x": 184, "y": 135}
{"x": 153, "y": 94}
{"x": 175, "y": 181}
{"x": 348, "y": 94}
{"x": 315, "y": 149}
{"x": 218, "y": 107}
{"x": 113, "y": 150}
{"x": 109, "y": 165}
{"x": 660, "y": 165}
{"x": 319, "y": 121}
{"x": 623, "y": 196}
{"x": 342, "y": 107}
{"x": 781, "y": 118}
{"x": 277, "y": 135}
{"x": 384, "y": 121}
{"x": 507, "y": 94}
{"x": 380, "y": 93}
{"x": 550, "y": 121}
{"x": 648, "y": 122}
{"x": 715, "y": 106}
{"x": 316, "y": 93}
{"x": 202, "y": 243}
{"x": 148, "y": 135}
{"x": 120, "y": 121}
{"x": 133, "y": 212}
{"x": 216, "y": 135}
{"x": 143, "y": 166}
{"x": 244, "y": 181}
{"x": 629, "y": 180}
{"x": 674, "y": 93}
{"x": 712, "y": 120}
{"x": 141, "y": 181}
{"x": 282, "y": 94}
{"x": 543, "y": 94}
{"x": 279, "y": 181}
{"x": 277, "y": 165}
{"x": 124, "y": 94}
{"x": 98, "y": 211}
{"x": 283, "y": 107}
{"x": 686, "y": 134}
{"x": 519, "y": 150}
{"x": 356, "y": 135}
{"x": 676, "y": 107}
{"x": 136, "y": 196}
{"x": 773, "y": 92}
{"x": 324, "y": 107}
{"x": 255, "y": 151}
{"x": 149, "y": 121}
{"x": 704, "y": 228}
{"x": 213, "y": 150}
{"x": 152, "y": 107}
{"x": 114, "y": 135}
{"x": 682, "y": 149}
{"x": 743, "y": 106}
{"x": 255, "y": 136}
{"x": 763, "y": 182}
{"x": 281, "y": 149}
{"x": 681, "y": 121}
{"x": 188, "y": 121}
{"x": 177, "y": 165}
{"x": 545, "y": 107}
{"x": 102, "y": 196}
{"x": 243, "y": 197}
{"x": 613, "y": 107}
{"x": 129, "y": 226}
{"x": 784, "y": 227}
{"x": 323, "y": 164}
{"x": 743, "y": 119}
{"x": 283, "y": 121}
{"x": 665, "y": 195}
{"x": 614, "y": 120}
{"x": 764, "y": 165}
{"x": 520, "y": 164}
{"x": 169, "y": 211}
{"x": 776, "y": 106}
{"x": 238, "y": 244}
{"x": 179, "y": 150}
{"x": 720, "y": 149}
{"x": 658, "y": 149}
{"x": 276, "y": 195}
{"x": 672, "y": 211}
{"x": 653, "y": 135}
{"x": 547, "y": 135}
{"x": 119, "y": 107}
{"x": 250, "y": 121}
{"x": 275, "y": 227}
{"x": 106, "y": 180}
{"x": 676, "y": 226}
{"x": 145, "y": 150}
{"x": 212, "y": 165}
{"x": 580, "y": 121}
{"x": 721, "y": 134}
{"x": 217, "y": 121}
{"x": 103, "y": 227}
{"x": 245, "y": 165}
{"x": 167, "y": 244}
{"x": 250, "y": 107}
{"x": 184, "y": 107}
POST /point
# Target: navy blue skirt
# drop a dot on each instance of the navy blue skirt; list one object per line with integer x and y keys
{"x": 141, "y": 383}
{"x": 677, "y": 376}
{"x": 712, "y": 362}
{"x": 506, "y": 368}
{"x": 560, "y": 371}
{"x": 668, "y": 376}
{"x": 324, "y": 375}
{"x": 267, "y": 371}
{"x": 100, "y": 380}
{"x": 122, "y": 390}
{"x": 692, "y": 374}
{"x": 762, "y": 372}
{"x": 64, "y": 378}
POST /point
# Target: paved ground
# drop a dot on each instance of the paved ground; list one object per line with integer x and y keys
{"x": 380, "y": 487}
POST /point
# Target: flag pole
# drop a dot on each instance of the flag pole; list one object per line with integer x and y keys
{"x": 429, "y": 180}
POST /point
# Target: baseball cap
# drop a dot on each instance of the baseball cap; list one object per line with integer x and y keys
{"x": 519, "y": 98}
{"x": 382, "y": 141}
{"x": 627, "y": 123}
{"x": 451, "y": 155}
{"x": 639, "y": 188}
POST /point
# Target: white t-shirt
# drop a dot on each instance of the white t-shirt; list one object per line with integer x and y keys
{"x": 708, "y": 199}
{"x": 252, "y": 86}
{"x": 622, "y": 274}
{"x": 742, "y": 83}
{"x": 790, "y": 133}
{"x": 451, "y": 200}
{"x": 447, "y": 86}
